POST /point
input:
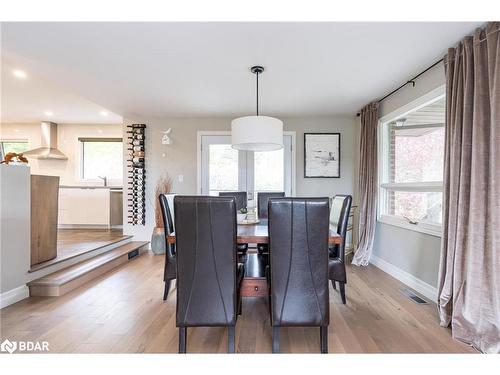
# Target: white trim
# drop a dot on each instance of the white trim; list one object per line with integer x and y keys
{"x": 14, "y": 295}
{"x": 431, "y": 97}
{"x": 413, "y": 282}
{"x": 201, "y": 133}
{"x": 292, "y": 134}
{"x": 414, "y": 186}
{"x": 431, "y": 229}
{"x": 80, "y": 163}
{"x": 383, "y": 175}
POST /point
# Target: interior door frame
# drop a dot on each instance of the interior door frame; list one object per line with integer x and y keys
{"x": 201, "y": 133}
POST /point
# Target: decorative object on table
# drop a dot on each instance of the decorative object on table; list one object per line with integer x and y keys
{"x": 136, "y": 175}
{"x": 166, "y": 140}
{"x": 251, "y": 215}
{"x": 257, "y": 133}
{"x": 14, "y": 158}
{"x": 241, "y": 214}
{"x": 163, "y": 186}
{"x": 249, "y": 221}
{"x": 322, "y": 155}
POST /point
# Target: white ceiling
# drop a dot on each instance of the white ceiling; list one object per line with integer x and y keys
{"x": 201, "y": 69}
{"x": 27, "y": 101}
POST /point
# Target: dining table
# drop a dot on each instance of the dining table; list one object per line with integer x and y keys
{"x": 254, "y": 282}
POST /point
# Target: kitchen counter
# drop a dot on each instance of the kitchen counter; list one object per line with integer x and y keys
{"x": 90, "y": 187}
{"x": 90, "y": 206}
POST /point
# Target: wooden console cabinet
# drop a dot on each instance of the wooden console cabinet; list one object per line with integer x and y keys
{"x": 44, "y": 209}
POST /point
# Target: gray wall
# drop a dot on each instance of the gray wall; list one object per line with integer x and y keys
{"x": 413, "y": 252}
{"x": 180, "y": 157}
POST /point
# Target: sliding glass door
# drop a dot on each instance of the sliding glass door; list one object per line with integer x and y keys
{"x": 224, "y": 169}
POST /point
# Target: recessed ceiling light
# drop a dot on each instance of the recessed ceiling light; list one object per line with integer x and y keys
{"x": 49, "y": 113}
{"x": 103, "y": 113}
{"x": 21, "y": 74}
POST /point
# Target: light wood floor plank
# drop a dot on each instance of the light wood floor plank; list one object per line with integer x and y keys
{"x": 123, "y": 312}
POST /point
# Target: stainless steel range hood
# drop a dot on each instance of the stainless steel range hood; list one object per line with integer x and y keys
{"x": 49, "y": 148}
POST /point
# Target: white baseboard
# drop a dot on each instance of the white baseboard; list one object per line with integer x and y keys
{"x": 413, "y": 282}
{"x": 14, "y": 295}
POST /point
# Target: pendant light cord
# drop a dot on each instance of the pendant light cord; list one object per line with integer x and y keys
{"x": 257, "y": 93}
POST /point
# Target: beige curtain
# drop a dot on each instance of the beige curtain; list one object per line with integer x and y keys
{"x": 367, "y": 184}
{"x": 469, "y": 279}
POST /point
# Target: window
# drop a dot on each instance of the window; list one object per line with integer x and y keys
{"x": 411, "y": 179}
{"x": 17, "y": 146}
{"x": 222, "y": 168}
{"x": 101, "y": 157}
{"x": 269, "y": 172}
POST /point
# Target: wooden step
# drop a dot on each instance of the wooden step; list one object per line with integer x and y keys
{"x": 67, "y": 279}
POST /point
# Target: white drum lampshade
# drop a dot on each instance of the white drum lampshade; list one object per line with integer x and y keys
{"x": 257, "y": 133}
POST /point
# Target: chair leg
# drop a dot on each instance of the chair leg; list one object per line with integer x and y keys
{"x": 323, "y": 337}
{"x": 230, "y": 339}
{"x": 342, "y": 292}
{"x": 334, "y": 285}
{"x": 167, "y": 289}
{"x": 276, "y": 339}
{"x": 182, "y": 339}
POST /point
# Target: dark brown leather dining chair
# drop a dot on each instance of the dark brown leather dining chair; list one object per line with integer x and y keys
{"x": 262, "y": 203}
{"x": 240, "y": 196}
{"x": 298, "y": 269}
{"x": 208, "y": 275}
{"x": 169, "y": 271}
{"x": 241, "y": 202}
{"x": 339, "y": 217}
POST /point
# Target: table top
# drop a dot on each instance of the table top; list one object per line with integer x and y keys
{"x": 257, "y": 233}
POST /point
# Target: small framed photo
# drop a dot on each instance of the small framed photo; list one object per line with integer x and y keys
{"x": 322, "y": 155}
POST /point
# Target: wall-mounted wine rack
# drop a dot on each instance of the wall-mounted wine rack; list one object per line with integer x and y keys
{"x": 136, "y": 163}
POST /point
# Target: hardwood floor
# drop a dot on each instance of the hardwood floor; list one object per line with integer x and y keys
{"x": 123, "y": 312}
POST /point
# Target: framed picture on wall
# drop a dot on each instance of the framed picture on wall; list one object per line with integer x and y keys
{"x": 322, "y": 155}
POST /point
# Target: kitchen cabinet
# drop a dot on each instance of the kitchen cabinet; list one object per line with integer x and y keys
{"x": 87, "y": 206}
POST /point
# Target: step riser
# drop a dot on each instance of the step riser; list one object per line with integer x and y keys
{"x": 66, "y": 280}
{"x": 57, "y": 291}
{"x": 37, "y": 273}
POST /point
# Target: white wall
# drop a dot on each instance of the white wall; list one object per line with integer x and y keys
{"x": 15, "y": 206}
{"x": 67, "y": 134}
{"x": 180, "y": 157}
{"x": 412, "y": 252}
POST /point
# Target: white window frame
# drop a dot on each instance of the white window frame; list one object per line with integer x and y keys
{"x": 383, "y": 176}
{"x": 199, "y": 172}
{"x": 79, "y": 170}
{"x": 20, "y": 140}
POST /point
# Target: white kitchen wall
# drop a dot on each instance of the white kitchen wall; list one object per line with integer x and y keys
{"x": 179, "y": 159}
{"x": 67, "y": 135}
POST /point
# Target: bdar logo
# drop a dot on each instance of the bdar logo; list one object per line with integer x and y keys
{"x": 8, "y": 346}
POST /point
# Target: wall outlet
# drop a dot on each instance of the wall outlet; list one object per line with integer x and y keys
{"x": 181, "y": 178}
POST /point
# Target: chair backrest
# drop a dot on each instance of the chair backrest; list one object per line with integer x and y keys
{"x": 298, "y": 247}
{"x": 339, "y": 217}
{"x": 206, "y": 260}
{"x": 241, "y": 198}
{"x": 263, "y": 199}
{"x": 168, "y": 224}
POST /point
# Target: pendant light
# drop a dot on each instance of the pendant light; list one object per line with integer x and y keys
{"x": 257, "y": 133}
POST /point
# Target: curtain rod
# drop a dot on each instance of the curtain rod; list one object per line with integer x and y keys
{"x": 412, "y": 81}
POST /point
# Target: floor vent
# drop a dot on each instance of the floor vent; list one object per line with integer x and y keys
{"x": 133, "y": 254}
{"x": 411, "y": 295}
